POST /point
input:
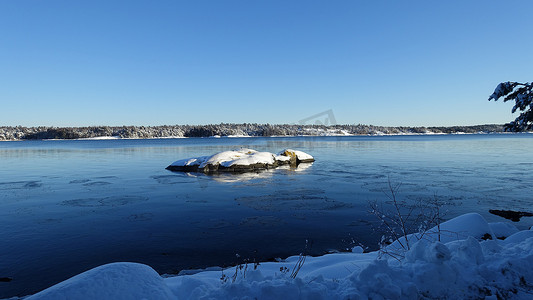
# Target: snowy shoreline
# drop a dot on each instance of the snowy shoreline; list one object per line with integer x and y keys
{"x": 104, "y": 138}
{"x": 475, "y": 259}
{"x": 227, "y": 130}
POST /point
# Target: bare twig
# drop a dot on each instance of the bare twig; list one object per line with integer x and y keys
{"x": 301, "y": 261}
{"x": 405, "y": 219}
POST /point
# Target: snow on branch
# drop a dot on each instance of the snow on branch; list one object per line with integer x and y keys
{"x": 522, "y": 94}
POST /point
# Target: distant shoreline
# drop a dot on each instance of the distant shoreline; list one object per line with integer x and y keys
{"x": 18, "y": 133}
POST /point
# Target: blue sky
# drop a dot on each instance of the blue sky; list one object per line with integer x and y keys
{"x": 394, "y": 63}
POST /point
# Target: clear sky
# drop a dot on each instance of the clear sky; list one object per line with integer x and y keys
{"x": 393, "y": 63}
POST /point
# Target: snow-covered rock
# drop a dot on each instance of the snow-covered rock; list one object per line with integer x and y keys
{"x": 240, "y": 160}
{"x": 301, "y": 157}
{"x": 503, "y": 230}
{"x": 459, "y": 228}
{"x": 112, "y": 281}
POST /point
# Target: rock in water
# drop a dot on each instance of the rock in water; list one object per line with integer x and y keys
{"x": 511, "y": 214}
{"x": 296, "y": 157}
{"x": 241, "y": 160}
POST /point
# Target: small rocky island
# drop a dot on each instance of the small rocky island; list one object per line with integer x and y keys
{"x": 241, "y": 160}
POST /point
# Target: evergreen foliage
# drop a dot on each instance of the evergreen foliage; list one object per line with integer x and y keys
{"x": 522, "y": 95}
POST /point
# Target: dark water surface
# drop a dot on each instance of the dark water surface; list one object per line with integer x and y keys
{"x": 68, "y": 206}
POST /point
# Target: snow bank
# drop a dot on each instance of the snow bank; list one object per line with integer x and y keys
{"x": 503, "y": 229}
{"x": 459, "y": 228}
{"x": 111, "y": 281}
{"x": 240, "y": 160}
{"x": 461, "y": 265}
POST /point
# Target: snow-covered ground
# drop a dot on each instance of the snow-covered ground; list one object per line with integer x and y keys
{"x": 100, "y": 138}
{"x": 467, "y": 263}
{"x": 325, "y": 132}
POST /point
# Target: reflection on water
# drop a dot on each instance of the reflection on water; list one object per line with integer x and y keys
{"x": 238, "y": 176}
{"x": 67, "y": 206}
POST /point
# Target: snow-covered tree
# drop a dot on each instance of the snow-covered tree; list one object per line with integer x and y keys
{"x": 522, "y": 94}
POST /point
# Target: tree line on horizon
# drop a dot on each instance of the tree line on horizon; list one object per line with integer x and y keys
{"x": 225, "y": 129}
{"x": 521, "y": 93}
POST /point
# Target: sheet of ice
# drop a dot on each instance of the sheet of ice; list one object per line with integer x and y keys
{"x": 460, "y": 266}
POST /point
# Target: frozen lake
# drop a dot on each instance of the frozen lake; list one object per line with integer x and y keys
{"x": 68, "y": 206}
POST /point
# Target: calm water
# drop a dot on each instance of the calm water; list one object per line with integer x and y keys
{"x": 68, "y": 206}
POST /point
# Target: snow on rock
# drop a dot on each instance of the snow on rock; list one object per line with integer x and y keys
{"x": 300, "y": 156}
{"x": 503, "y": 229}
{"x": 461, "y": 227}
{"x": 283, "y": 158}
{"x": 358, "y": 249}
{"x": 242, "y": 157}
{"x": 112, "y": 281}
{"x": 519, "y": 236}
{"x": 460, "y": 266}
{"x": 190, "y": 161}
{"x": 240, "y": 160}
